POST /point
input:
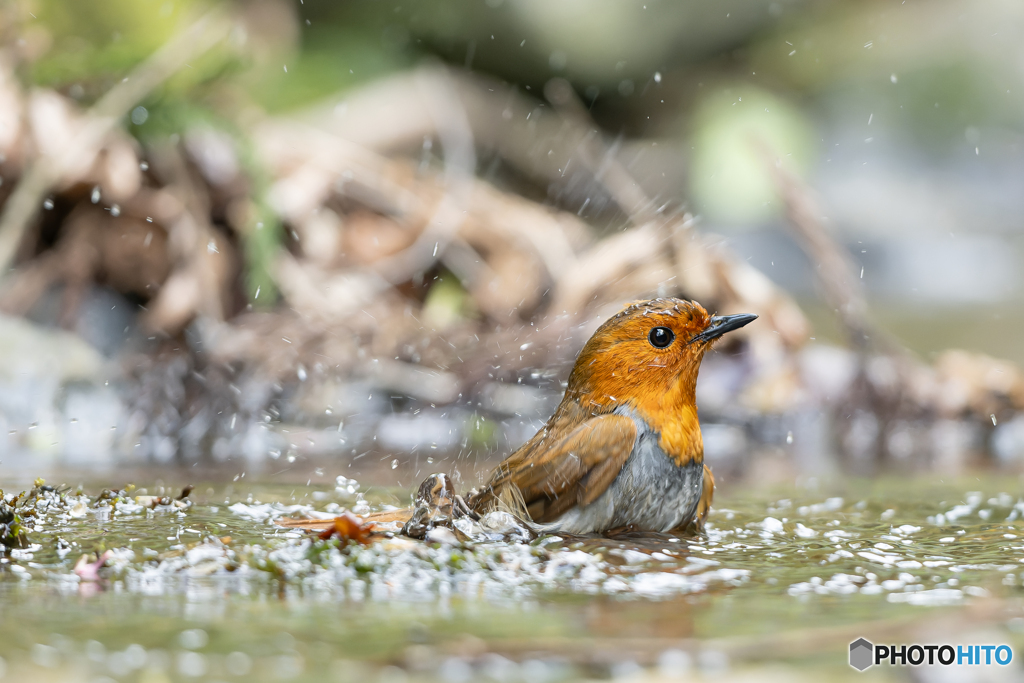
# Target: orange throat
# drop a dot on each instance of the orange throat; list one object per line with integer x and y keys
{"x": 680, "y": 436}
{"x": 672, "y": 412}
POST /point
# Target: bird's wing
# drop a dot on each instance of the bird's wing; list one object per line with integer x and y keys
{"x": 707, "y": 493}
{"x": 572, "y": 471}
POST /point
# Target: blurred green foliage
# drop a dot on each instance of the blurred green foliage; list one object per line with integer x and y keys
{"x": 482, "y": 433}
{"x": 736, "y": 132}
{"x": 332, "y": 59}
{"x": 447, "y": 302}
{"x": 101, "y": 39}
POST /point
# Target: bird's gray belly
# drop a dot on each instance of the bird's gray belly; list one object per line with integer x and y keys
{"x": 651, "y": 493}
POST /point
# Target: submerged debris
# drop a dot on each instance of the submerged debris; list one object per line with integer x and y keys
{"x": 12, "y": 531}
{"x": 436, "y": 505}
{"x": 180, "y": 502}
{"x": 88, "y": 566}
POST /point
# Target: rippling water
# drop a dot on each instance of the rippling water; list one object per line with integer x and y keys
{"x": 217, "y": 591}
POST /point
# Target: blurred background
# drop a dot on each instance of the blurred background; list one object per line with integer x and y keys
{"x": 378, "y": 233}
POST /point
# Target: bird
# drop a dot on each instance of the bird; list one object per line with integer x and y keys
{"x": 623, "y": 450}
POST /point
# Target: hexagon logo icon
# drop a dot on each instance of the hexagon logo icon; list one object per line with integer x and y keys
{"x": 861, "y": 654}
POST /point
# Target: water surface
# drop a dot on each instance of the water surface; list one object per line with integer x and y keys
{"x": 781, "y": 582}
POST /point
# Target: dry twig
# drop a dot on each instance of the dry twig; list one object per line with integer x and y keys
{"x": 104, "y": 116}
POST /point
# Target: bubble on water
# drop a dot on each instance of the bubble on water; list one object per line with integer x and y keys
{"x": 45, "y": 656}
{"x": 343, "y": 485}
{"x": 193, "y": 639}
{"x": 288, "y": 666}
{"x": 95, "y": 651}
{"x": 191, "y": 664}
{"x": 455, "y": 670}
{"x": 135, "y": 656}
{"x": 118, "y": 664}
{"x": 238, "y": 663}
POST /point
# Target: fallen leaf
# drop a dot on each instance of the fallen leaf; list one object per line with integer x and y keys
{"x": 348, "y": 527}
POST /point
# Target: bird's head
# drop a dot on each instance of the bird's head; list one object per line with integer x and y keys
{"x": 647, "y": 356}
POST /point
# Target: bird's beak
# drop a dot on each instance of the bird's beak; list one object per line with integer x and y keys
{"x": 720, "y": 324}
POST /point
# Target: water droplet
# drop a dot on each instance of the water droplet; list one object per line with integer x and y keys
{"x": 47, "y": 204}
{"x": 139, "y": 115}
{"x": 394, "y": 464}
{"x": 789, "y": 437}
{"x": 95, "y": 196}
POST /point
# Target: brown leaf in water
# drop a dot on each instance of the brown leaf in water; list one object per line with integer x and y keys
{"x": 348, "y": 527}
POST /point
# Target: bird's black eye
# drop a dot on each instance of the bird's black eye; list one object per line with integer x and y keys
{"x": 660, "y": 337}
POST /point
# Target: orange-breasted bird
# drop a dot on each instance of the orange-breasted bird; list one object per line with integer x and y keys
{"x": 622, "y": 450}
{"x": 624, "y": 447}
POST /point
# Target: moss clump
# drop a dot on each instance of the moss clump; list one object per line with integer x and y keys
{"x": 12, "y": 530}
